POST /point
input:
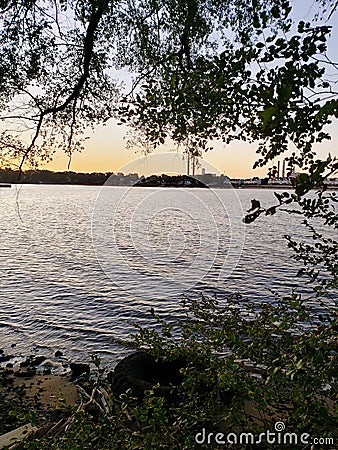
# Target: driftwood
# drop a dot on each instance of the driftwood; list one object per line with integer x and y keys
{"x": 97, "y": 397}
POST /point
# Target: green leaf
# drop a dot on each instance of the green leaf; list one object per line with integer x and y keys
{"x": 302, "y": 184}
{"x": 275, "y": 12}
{"x": 285, "y": 93}
{"x": 267, "y": 114}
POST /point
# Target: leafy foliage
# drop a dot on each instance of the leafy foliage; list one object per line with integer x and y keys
{"x": 245, "y": 370}
{"x": 268, "y": 86}
{"x": 203, "y": 70}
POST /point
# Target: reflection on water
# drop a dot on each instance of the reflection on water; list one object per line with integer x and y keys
{"x": 55, "y": 295}
{"x": 156, "y": 243}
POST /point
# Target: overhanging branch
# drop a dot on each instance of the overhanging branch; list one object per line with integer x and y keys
{"x": 88, "y": 47}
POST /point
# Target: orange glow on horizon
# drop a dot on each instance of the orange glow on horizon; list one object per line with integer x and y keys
{"x": 106, "y": 151}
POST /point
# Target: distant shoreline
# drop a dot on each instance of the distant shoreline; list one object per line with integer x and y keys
{"x": 254, "y": 186}
{"x": 211, "y": 180}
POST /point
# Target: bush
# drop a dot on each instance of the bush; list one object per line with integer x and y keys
{"x": 246, "y": 369}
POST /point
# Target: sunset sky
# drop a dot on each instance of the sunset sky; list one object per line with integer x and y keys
{"x": 106, "y": 150}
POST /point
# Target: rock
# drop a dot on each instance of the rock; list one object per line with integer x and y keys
{"x": 25, "y": 363}
{"x": 5, "y": 358}
{"x": 6, "y": 381}
{"x": 79, "y": 369}
{"x": 58, "y": 353}
{"x": 25, "y": 373}
{"x": 38, "y": 360}
{"x": 33, "y": 361}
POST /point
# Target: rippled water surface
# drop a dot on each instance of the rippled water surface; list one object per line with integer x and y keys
{"x": 59, "y": 292}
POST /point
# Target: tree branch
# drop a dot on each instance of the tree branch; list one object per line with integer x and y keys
{"x": 88, "y": 47}
{"x": 88, "y": 54}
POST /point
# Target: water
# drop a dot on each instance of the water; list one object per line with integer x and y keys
{"x": 59, "y": 293}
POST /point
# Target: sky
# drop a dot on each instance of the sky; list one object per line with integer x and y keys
{"x": 106, "y": 150}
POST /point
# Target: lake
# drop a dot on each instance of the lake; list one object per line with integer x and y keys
{"x": 79, "y": 263}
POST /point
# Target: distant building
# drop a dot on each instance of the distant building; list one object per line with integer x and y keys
{"x": 278, "y": 181}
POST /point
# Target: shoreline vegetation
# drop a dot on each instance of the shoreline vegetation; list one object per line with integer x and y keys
{"x": 184, "y": 384}
{"x": 9, "y": 176}
{"x": 260, "y": 72}
{"x": 37, "y": 404}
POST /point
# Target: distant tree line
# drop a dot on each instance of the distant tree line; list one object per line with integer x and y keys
{"x": 11, "y": 176}
{"x": 212, "y": 180}
{"x": 49, "y": 177}
{"x": 165, "y": 180}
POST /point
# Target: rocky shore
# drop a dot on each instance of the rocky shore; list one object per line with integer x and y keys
{"x": 37, "y": 389}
